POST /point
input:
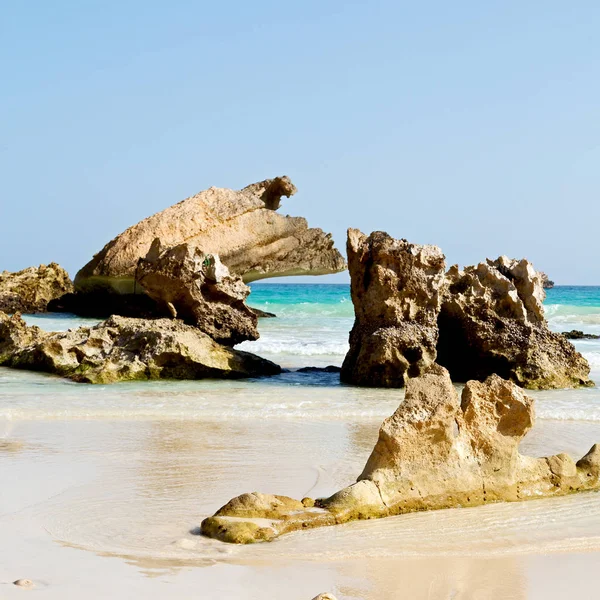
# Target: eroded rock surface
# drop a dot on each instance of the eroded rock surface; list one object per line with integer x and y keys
{"x": 492, "y": 321}
{"x": 198, "y": 289}
{"x": 242, "y": 227}
{"x": 123, "y": 349}
{"x": 30, "y": 290}
{"x": 396, "y": 290}
{"x": 436, "y": 451}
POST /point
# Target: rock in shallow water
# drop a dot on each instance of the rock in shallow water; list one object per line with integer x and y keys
{"x": 492, "y": 321}
{"x": 436, "y": 451}
{"x": 396, "y": 291}
{"x": 30, "y": 290}
{"x": 482, "y": 320}
{"x": 122, "y": 349}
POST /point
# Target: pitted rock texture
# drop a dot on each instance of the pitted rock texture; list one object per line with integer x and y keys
{"x": 198, "y": 289}
{"x": 492, "y": 321}
{"x": 30, "y": 290}
{"x": 436, "y": 451}
{"x": 242, "y": 227}
{"x": 122, "y": 349}
{"x": 397, "y": 291}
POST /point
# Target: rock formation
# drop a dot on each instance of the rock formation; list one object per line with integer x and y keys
{"x": 482, "y": 320}
{"x": 576, "y": 334}
{"x": 492, "y": 321}
{"x": 30, "y": 290}
{"x": 242, "y": 227}
{"x": 122, "y": 349}
{"x": 197, "y": 288}
{"x": 547, "y": 283}
{"x": 397, "y": 292}
{"x": 435, "y": 451}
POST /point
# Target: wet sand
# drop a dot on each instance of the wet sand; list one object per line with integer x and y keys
{"x": 109, "y": 508}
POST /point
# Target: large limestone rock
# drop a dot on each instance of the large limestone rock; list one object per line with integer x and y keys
{"x": 396, "y": 291}
{"x": 242, "y": 227}
{"x": 492, "y": 321}
{"x": 197, "y": 288}
{"x": 30, "y": 290}
{"x": 122, "y": 349}
{"x": 436, "y": 451}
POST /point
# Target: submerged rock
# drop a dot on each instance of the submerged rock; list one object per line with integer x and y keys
{"x": 327, "y": 369}
{"x": 242, "y": 227}
{"x": 262, "y": 314}
{"x": 492, "y": 321}
{"x": 575, "y": 334}
{"x": 397, "y": 292}
{"x": 30, "y": 290}
{"x": 436, "y": 451}
{"x": 122, "y": 349}
{"x": 198, "y": 289}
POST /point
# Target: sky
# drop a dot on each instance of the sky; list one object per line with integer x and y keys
{"x": 471, "y": 125}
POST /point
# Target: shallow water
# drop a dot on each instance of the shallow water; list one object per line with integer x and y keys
{"x": 113, "y": 480}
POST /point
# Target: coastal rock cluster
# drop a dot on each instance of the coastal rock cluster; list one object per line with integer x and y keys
{"x": 478, "y": 321}
{"x": 31, "y": 289}
{"x": 436, "y": 451}
{"x": 125, "y": 349}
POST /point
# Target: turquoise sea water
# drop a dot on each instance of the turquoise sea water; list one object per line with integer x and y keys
{"x": 311, "y": 329}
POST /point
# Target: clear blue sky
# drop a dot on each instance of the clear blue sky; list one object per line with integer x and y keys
{"x": 471, "y": 125}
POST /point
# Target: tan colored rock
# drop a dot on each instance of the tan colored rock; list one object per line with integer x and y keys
{"x": 242, "y": 227}
{"x": 24, "y": 583}
{"x": 325, "y": 596}
{"x": 434, "y": 452}
{"x": 30, "y": 290}
{"x": 396, "y": 291}
{"x": 122, "y": 349}
{"x": 492, "y": 321}
{"x": 198, "y": 289}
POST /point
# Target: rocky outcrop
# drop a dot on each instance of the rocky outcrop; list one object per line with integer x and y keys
{"x": 30, "y": 290}
{"x": 547, "y": 283}
{"x": 198, "y": 289}
{"x": 396, "y": 290}
{"x": 492, "y": 321}
{"x": 122, "y": 349}
{"x": 242, "y": 227}
{"x": 575, "y": 334}
{"x": 436, "y": 451}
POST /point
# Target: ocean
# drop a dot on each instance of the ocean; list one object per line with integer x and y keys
{"x": 113, "y": 481}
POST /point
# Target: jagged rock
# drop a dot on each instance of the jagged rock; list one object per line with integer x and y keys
{"x": 575, "y": 334}
{"x": 30, "y": 290}
{"x": 242, "y": 227}
{"x": 198, "y": 289}
{"x": 434, "y": 452}
{"x": 396, "y": 290}
{"x": 325, "y": 596}
{"x": 547, "y": 283}
{"x": 122, "y": 349}
{"x": 492, "y": 321}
